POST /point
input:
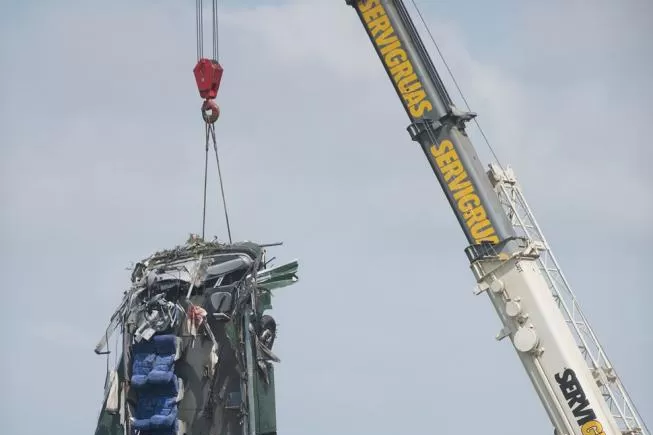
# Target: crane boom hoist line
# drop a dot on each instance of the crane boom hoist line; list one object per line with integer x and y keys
{"x": 208, "y": 76}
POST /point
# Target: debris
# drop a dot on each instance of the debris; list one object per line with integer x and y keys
{"x": 184, "y": 320}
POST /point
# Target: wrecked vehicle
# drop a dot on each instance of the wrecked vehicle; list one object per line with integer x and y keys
{"x": 194, "y": 343}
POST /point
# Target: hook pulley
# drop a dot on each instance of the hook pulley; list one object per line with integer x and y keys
{"x": 210, "y": 111}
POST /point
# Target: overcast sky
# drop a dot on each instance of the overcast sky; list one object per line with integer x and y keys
{"x": 101, "y": 160}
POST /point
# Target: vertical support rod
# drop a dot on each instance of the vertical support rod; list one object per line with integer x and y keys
{"x": 251, "y": 400}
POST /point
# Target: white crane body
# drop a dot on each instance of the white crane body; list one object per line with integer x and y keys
{"x": 543, "y": 342}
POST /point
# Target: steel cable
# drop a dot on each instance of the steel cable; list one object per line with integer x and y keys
{"x": 455, "y": 82}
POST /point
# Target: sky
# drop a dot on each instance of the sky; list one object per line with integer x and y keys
{"x": 101, "y": 164}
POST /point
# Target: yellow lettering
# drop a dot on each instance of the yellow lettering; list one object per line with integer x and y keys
{"x": 463, "y": 192}
{"x": 422, "y": 106}
{"x": 415, "y": 97}
{"x": 395, "y": 57}
{"x": 592, "y": 428}
{"x": 445, "y": 145}
{"x": 444, "y": 160}
{"x": 387, "y": 37}
{"x": 388, "y": 48}
{"x": 372, "y": 11}
{"x": 379, "y": 25}
{"x": 404, "y": 69}
{"x": 468, "y": 202}
{"x": 477, "y": 216}
{"x": 451, "y": 170}
{"x": 460, "y": 182}
{"x": 365, "y": 5}
{"x": 483, "y": 232}
{"x": 409, "y": 84}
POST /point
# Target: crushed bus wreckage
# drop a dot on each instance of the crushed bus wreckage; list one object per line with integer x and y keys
{"x": 195, "y": 343}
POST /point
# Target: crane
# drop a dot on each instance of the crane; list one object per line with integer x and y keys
{"x": 509, "y": 256}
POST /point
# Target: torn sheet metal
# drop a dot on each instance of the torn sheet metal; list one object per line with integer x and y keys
{"x": 278, "y": 276}
{"x": 190, "y": 361}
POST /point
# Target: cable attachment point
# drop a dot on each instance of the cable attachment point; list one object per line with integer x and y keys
{"x": 210, "y": 111}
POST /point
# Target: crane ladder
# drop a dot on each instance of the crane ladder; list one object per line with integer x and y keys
{"x": 523, "y": 220}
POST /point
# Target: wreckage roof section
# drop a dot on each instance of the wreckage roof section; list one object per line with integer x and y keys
{"x": 198, "y": 247}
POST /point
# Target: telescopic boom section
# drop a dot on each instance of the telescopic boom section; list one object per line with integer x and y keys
{"x": 436, "y": 124}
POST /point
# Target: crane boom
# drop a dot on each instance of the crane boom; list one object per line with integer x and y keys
{"x": 436, "y": 124}
{"x": 508, "y": 255}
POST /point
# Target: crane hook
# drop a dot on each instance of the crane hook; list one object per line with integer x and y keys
{"x": 210, "y": 111}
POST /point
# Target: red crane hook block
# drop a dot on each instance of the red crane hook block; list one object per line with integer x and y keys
{"x": 210, "y": 111}
{"x": 208, "y": 74}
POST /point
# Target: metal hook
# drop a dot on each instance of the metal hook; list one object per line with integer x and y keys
{"x": 210, "y": 111}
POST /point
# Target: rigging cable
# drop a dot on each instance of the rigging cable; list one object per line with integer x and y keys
{"x": 211, "y": 129}
{"x": 215, "y": 30}
{"x": 206, "y": 167}
{"x": 455, "y": 82}
{"x": 208, "y": 75}
{"x": 199, "y": 27}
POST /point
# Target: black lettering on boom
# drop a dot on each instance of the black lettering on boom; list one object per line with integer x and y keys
{"x": 575, "y": 396}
